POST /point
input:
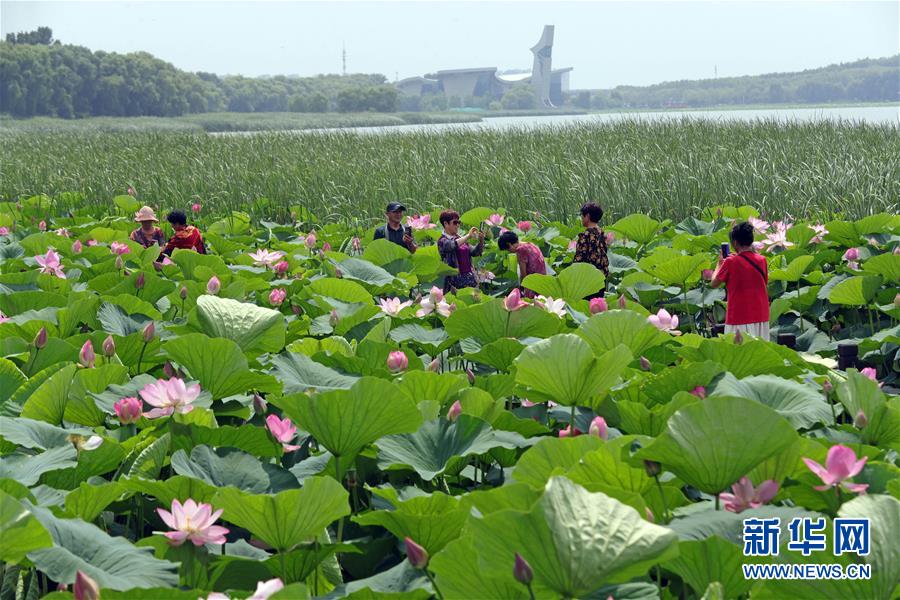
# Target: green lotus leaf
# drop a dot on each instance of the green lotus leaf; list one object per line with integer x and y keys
{"x": 425, "y": 385}
{"x": 189, "y": 260}
{"x": 563, "y": 369}
{"x": 552, "y": 456}
{"x": 794, "y": 271}
{"x": 87, "y": 501}
{"x": 10, "y": 379}
{"x": 366, "y": 272}
{"x": 636, "y": 418}
{"x": 402, "y": 581}
{"x": 30, "y": 433}
{"x": 514, "y": 496}
{"x": 431, "y": 340}
{"x": 19, "y": 302}
{"x": 288, "y": 518}
{"x": 252, "y": 327}
{"x": 48, "y": 402}
{"x": 637, "y": 227}
{"x": 607, "y": 330}
{"x": 499, "y": 354}
{"x": 229, "y": 467}
{"x": 177, "y": 487}
{"x": 28, "y": 468}
{"x": 254, "y": 440}
{"x": 855, "y": 291}
{"x": 113, "y": 562}
{"x": 859, "y": 393}
{"x": 432, "y": 521}
{"x": 387, "y": 254}
{"x": 752, "y": 357}
{"x": 430, "y": 449}
{"x": 81, "y": 407}
{"x": 460, "y": 576}
{"x": 21, "y": 531}
{"x": 803, "y": 406}
{"x": 704, "y": 521}
{"x": 489, "y": 321}
{"x": 680, "y": 269}
{"x": 712, "y": 444}
{"x": 298, "y": 373}
{"x": 571, "y": 284}
{"x": 345, "y": 421}
{"x": 107, "y": 457}
{"x": 703, "y": 562}
{"x": 886, "y": 265}
{"x": 559, "y": 539}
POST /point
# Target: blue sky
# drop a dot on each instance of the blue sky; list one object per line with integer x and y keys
{"x": 608, "y": 43}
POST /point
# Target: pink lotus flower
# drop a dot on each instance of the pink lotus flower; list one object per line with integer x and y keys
{"x": 513, "y": 301}
{"x": 264, "y": 257}
{"x": 699, "y": 391}
{"x": 42, "y": 225}
{"x": 282, "y": 430}
{"x": 282, "y": 267}
{"x": 524, "y": 226}
{"x": 92, "y": 243}
{"x": 551, "y": 305}
{"x": 598, "y": 305}
{"x": 50, "y": 264}
{"x": 62, "y": 232}
{"x": 434, "y": 302}
{"x": 326, "y": 247}
{"x": 777, "y": 239}
{"x": 853, "y": 265}
{"x": 435, "y": 365}
{"x": 76, "y": 247}
{"x": 120, "y": 263}
{"x": 745, "y": 496}
{"x": 707, "y": 274}
{"x": 128, "y": 410}
{"x": 495, "y": 220}
{"x": 86, "y": 356}
{"x": 759, "y": 226}
{"x": 195, "y": 207}
{"x": 213, "y": 286}
{"x": 130, "y": 191}
{"x": 598, "y": 428}
{"x": 419, "y": 222}
{"x": 334, "y": 318}
{"x": 4, "y": 230}
{"x": 485, "y": 275}
{"x": 277, "y": 296}
{"x": 841, "y": 465}
{"x": 266, "y": 589}
{"x": 621, "y": 302}
{"x": 391, "y": 307}
{"x": 572, "y": 245}
{"x": 567, "y": 432}
{"x": 119, "y": 248}
{"x": 193, "y": 522}
{"x": 820, "y": 233}
{"x": 3, "y": 318}
{"x": 454, "y": 411}
{"x": 416, "y": 554}
{"x": 85, "y": 588}
{"x": 397, "y": 361}
{"x": 870, "y": 373}
{"x": 663, "y": 321}
{"x": 311, "y": 240}
{"x": 610, "y": 238}
{"x": 169, "y": 397}
{"x": 851, "y": 254}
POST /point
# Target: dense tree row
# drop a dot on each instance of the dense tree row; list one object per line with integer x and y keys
{"x": 41, "y": 77}
{"x": 869, "y": 80}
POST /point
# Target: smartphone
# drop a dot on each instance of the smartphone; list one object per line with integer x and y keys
{"x": 725, "y": 250}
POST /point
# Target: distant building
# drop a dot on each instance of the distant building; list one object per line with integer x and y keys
{"x": 548, "y": 84}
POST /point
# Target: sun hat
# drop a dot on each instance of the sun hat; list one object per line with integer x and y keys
{"x": 145, "y": 214}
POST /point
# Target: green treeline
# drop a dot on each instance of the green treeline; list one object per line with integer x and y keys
{"x": 42, "y": 77}
{"x": 868, "y": 80}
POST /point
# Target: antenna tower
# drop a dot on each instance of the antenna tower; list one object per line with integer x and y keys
{"x": 343, "y": 59}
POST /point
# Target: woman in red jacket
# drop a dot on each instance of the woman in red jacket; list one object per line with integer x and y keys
{"x": 186, "y": 236}
{"x": 746, "y": 277}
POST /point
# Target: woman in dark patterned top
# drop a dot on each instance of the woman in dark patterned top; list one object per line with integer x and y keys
{"x": 148, "y": 233}
{"x": 457, "y": 253}
{"x": 591, "y": 245}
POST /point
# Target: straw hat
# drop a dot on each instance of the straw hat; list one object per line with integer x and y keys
{"x": 145, "y": 214}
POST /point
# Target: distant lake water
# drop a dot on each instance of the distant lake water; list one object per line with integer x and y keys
{"x": 857, "y": 114}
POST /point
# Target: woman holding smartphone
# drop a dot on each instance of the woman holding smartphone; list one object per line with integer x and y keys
{"x": 456, "y": 251}
{"x": 746, "y": 277}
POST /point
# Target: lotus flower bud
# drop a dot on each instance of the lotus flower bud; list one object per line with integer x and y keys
{"x": 645, "y": 364}
{"x": 76, "y": 247}
{"x": 524, "y": 226}
{"x": 213, "y": 286}
{"x": 719, "y": 212}
{"x": 149, "y": 332}
{"x": 851, "y": 254}
{"x": 40, "y": 340}
{"x": 861, "y": 420}
{"x": 652, "y": 468}
{"x": 109, "y": 347}
{"x": 139, "y": 281}
{"x": 85, "y": 588}
{"x": 130, "y": 191}
{"x": 707, "y": 274}
{"x": 897, "y": 301}
{"x": 415, "y": 553}
{"x": 356, "y": 244}
{"x": 333, "y": 318}
{"x": 260, "y": 406}
{"x": 326, "y": 247}
{"x": 738, "y": 337}
{"x": 338, "y": 274}
{"x": 522, "y": 570}
{"x": 296, "y": 309}
{"x": 470, "y": 375}
{"x": 277, "y": 296}
{"x": 598, "y": 305}
{"x": 183, "y": 293}
{"x": 282, "y": 267}
{"x": 598, "y": 428}
{"x": 622, "y": 303}
{"x": 397, "y": 361}
{"x": 195, "y": 207}
{"x": 86, "y": 356}
{"x": 42, "y": 226}
{"x": 827, "y": 386}
{"x": 435, "y": 365}
{"x": 128, "y": 410}
{"x": 169, "y": 370}
{"x": 650, "y": 516}
{"x": 311, "y": 240}
{"x": 699, "y": 391}
{"x": 62, "y": 587}
{"x": 119, "y": 262}
{"x": 455, "y": 411}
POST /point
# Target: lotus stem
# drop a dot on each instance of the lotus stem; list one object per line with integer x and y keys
{"x": 437, "y": 591}
{"x": 140, "y": 358}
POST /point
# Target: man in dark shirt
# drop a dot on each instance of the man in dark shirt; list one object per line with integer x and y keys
{"x": 394, "y": 230}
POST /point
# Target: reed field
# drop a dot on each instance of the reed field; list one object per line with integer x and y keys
{"x": 666, "y": 169}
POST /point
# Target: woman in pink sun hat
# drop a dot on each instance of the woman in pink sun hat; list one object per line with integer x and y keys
{"x": 148, "y": 233}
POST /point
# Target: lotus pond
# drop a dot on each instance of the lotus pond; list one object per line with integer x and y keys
{"x": 301, "y": 413}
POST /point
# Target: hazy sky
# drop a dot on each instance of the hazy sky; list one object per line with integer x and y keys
{"x": 608, "y": 43}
